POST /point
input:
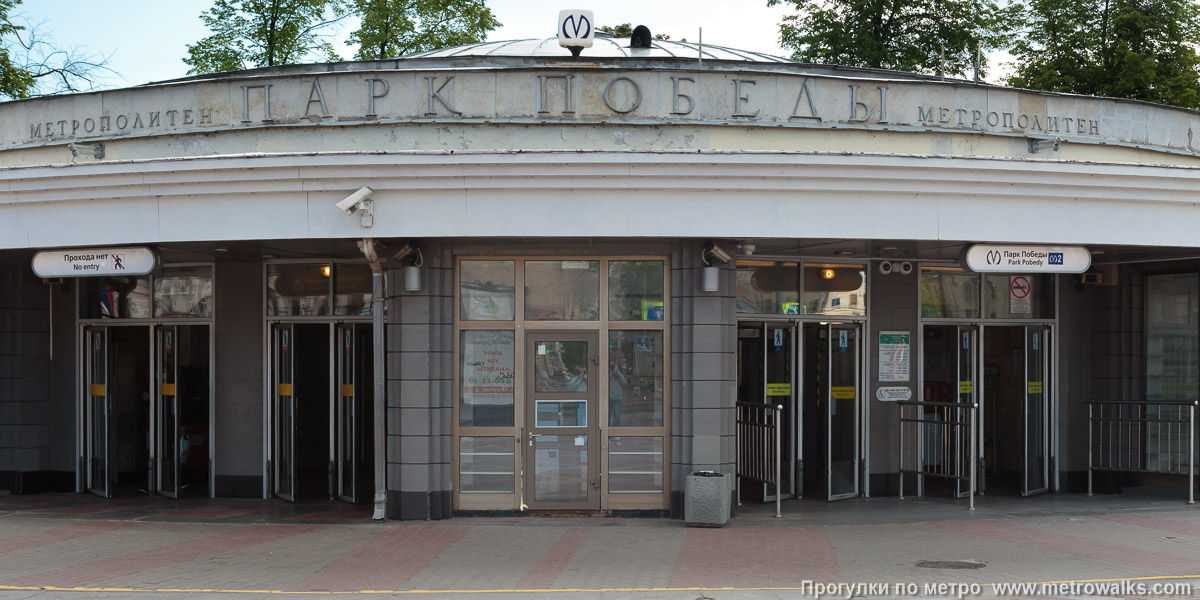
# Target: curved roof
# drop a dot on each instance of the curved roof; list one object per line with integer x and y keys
{"x": 603, "y": 47}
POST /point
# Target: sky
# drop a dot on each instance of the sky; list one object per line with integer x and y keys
{"x": 146, "y": 40}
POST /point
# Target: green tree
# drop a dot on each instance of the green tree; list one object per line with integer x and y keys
{"x": 393, "y": 28}
{"x": 935, "y": 36}
{"x": 30, "y": 64}
{"x": 264, "y": 33}
{"x": 625, "y": 30}
{"x": 1137, "y": 49}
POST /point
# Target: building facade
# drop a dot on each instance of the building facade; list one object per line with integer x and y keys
{"x": 588, "y": 263}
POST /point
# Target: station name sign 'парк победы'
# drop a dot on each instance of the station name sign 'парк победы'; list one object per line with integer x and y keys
{"x": 604, "y": 95}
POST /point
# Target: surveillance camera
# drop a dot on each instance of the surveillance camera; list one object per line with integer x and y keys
{"x": 885, "y": 267}
{"x": 350, "y": 204}
{"x": 906, "y": 268}
{"x": 715, "y": 251}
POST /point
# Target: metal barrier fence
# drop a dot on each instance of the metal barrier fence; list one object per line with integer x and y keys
{"x": 936, "y": 441}
{"x": 758, "y": 447}
{"x": 1143, "y": 437}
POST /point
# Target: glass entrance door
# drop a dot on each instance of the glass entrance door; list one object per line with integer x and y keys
{"x": 169, "y": 435}
{"x": 967, "y": 366}
{"x": 283, "y": 335}
{"x": 347, "y": 407}
{"x": 561, "y": 382}
{"x": 779, "y": 374}
{"x": 1037, "y": 410}
{"x": 99, "y": 426}
{"x": 841, "y": 415}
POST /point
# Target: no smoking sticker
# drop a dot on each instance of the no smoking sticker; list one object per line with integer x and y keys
{"x": 1019, "y": 291}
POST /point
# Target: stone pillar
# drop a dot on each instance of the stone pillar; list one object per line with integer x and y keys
{"x": 703, "y": 370}
{"x": 420, "y": 327}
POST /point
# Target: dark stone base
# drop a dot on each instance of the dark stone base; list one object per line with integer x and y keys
{"x": 418, "y": 506}
{"x": 677, "y": 504}
{"x": 36, "y": 482}
{"x": 238, "y": 486}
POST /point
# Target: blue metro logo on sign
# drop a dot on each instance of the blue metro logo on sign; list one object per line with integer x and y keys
{"x": 1056, "y": 258}
{"x": 575, "y": 28}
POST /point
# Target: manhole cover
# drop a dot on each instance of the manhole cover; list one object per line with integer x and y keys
{"x": 951, "y": 564}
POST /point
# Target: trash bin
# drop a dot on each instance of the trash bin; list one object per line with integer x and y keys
{"x": 706, "y": 498}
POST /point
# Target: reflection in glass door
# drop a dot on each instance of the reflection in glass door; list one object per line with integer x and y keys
{"x": 842, "y": 414}
{"x": 1037, "y": 410}
{"x": 168, "y": 411}
{"x": 285, "y": 411}
{"x": 99, "y": 414}
{"x": 562, "y": 384}
{"x": 346, "y": 422}
{"x": 967, "y": 364}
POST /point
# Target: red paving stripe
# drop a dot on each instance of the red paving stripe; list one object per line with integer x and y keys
{"x": 153, "y": 558}
{"x": 61, "y": 534}
{"x": 1158, "y": 523}
{"x": 755, "y": 557}
{"x": 387, "y": 561}
{"x": 546, "y": 570}
{"x": 83, "y": 510}
{"x": 1157, "y": 562}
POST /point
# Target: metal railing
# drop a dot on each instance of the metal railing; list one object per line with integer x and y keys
{"x": 936, "y": 440}
{"x": 1143, "y": 437}
{"x": 758, "y": 447}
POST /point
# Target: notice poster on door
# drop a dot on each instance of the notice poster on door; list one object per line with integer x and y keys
{"x": 487, "y": 367}
{"x": 894, "y": 355}
{"x": 1019, "y": 291}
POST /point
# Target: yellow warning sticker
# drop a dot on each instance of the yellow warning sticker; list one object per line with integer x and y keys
{"x": 96, "y": 389}
{"x": 284, "y": 389}
{"x": 779, "y": 389}
{"x": 347, "y": 389}
{"x": 167, "y": 389}
{"x": 843, "y": 392}
{"x": 1035, "y": 387}
{"x": 966, "y": 387}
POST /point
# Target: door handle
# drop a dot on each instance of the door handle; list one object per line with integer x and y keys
{"x": 533, "y": 435}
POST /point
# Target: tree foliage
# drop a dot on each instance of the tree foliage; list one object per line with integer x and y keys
{"x": 625, "y": 30}
{"x": 1138, "y": 49}
{"x": 264, "y": 33}
{"x": 934, "y": 36}
{"x": 393, "y": 28}
{"x": 30, "y": 63}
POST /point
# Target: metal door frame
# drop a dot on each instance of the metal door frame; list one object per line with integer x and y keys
{"x": 158, "y": 430}
{"x": 975, "y": 334}
{"x": 91, "y": 334}
{"x": 593, "y": 430}
{"x": 350, "y": 331}
{"x": 1044, "y": 332}
{"x": 857, "y": 328}
{"x": 283, "y": 334}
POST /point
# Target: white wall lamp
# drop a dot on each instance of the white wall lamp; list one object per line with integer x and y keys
{"x": 360, "y": 202}
{"x": 711, "y": 253}
{"x": 410, "y": 253}
{"x": 1036, "y": 145}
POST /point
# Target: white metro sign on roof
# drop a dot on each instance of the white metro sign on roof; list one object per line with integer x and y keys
{"x": 95, "y": 262}
{"x": 1011, "y": 258}
{"x": 576, "y": 28}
